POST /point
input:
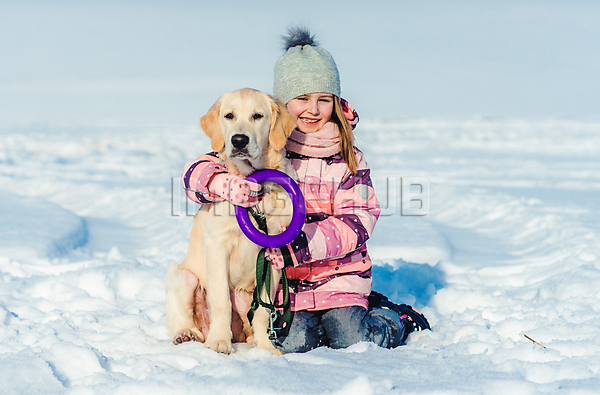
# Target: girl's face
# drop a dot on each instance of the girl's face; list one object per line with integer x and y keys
{"x": 312, "y": 111}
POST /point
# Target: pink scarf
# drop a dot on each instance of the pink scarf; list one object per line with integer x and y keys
{"x": 320, "y": 144}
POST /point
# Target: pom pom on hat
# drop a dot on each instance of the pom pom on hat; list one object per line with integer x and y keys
{"x": 304, "y": 68}
{"x": 298, "y": 36}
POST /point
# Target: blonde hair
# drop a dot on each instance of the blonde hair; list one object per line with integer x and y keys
{"x": 346, "y": 135}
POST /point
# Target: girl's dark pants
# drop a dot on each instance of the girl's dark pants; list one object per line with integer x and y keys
{"x": 341, "y": 327}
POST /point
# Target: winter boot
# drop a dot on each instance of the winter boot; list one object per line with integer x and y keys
{"x": 412, "y": 320}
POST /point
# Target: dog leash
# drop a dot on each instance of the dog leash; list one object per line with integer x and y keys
{"x": 263, "y": 281}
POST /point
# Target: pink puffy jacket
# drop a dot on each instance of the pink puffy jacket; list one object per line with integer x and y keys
{"x": 332, "y": 267}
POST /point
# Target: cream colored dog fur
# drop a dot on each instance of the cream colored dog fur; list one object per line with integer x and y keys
{"x": 209, "y": 293}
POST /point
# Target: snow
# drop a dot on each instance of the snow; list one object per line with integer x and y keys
{"x": 42, "y": 229}
{"x": 510, "y": 247}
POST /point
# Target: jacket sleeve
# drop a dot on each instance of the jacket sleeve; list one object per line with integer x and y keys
{"x": 196, "y": 175}
{"x": 355, "y": 212}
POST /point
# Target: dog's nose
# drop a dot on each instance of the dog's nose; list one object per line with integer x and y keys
{"x": 239, "y": 140}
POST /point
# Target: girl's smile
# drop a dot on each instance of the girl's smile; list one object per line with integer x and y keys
{"x": 312, "y": 111}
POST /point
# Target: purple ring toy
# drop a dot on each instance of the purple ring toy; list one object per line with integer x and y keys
{"x": 293, "y": 230}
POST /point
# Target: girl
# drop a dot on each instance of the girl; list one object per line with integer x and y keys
{"x": 330, "y": 281}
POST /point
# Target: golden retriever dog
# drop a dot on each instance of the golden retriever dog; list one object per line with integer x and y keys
{"x": 209, "y": 293}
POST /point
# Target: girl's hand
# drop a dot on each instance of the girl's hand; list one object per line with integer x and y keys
{"x": 274, "y": 255}
{"x": 235, "y": 189}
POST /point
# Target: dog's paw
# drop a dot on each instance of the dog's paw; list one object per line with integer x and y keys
{"x": 275, "y": 351}
{"x": 187, "y": 335}
{"x": 272, "y": 350}
{"x": 220, "y": 345}
{"x": 267, "y": 345}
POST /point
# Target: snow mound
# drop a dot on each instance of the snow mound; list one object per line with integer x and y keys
{"x": 406, "y": 252}
{"x": 27, "y": 373}
{"x": 412, "y": 238}
{"x": 34, "y": 228}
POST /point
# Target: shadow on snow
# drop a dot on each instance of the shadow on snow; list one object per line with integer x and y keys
{"x": 406, "y": 282}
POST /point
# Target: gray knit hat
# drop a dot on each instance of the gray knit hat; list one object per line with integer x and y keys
{"x": 304, "y": 68}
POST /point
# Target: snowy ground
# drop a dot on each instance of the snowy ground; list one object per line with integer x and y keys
{"x": 511, "y": 246}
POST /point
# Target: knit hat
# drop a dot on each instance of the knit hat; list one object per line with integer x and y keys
{"x": 304, "y": 68}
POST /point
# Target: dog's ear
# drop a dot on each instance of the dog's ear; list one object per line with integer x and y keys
{"x": 210, "y": 125}
{"x": 282, "y": 124}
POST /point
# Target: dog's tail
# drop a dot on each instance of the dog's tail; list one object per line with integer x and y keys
{"x": 298, "y": 35}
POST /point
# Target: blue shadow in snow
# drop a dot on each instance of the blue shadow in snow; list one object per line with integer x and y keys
{"x": 410, "y": 283}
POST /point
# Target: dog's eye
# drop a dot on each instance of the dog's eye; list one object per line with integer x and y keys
{"x": 229, "y": 115}
{"x": 257, "y": 116}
